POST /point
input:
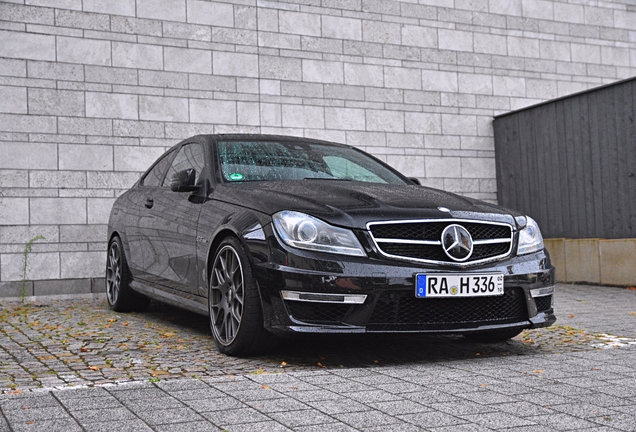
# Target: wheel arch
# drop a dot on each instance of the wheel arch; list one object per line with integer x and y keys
{"x": 214, "y": 245}
{"x": 122, "y": 237}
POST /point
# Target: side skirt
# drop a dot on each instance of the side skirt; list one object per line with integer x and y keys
{"x": 175, "y": 298}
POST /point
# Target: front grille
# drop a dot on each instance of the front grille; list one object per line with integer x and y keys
{"x": 409, "y": 236}
{"x": 325, "y": 313}
{"x": 402, "y": 307}
{"x": 543, "y": 303}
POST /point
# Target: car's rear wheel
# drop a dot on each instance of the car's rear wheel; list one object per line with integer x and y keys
{"x": 121, "y": 297}
{"x": 236, "y": 317}
{"x": 492, "y": 336}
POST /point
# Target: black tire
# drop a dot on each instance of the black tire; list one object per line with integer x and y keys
{"x": 493, "y": 336}
{"x": 234, "y": 305}
{"x": 120, "y": 296}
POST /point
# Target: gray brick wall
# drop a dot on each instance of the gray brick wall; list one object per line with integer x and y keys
{"x": 92, "y": 91}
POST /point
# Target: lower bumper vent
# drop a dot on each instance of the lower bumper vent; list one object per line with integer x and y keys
{"x": 543, "y": 303}
{"x": 401, "y": 307}
{"x": 318, "y": 313}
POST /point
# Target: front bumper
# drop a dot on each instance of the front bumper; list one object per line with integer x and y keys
{"x": 388, "y": 289}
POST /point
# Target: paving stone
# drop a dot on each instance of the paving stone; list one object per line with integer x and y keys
{"x": 562, "y": 421}
{"x": 301, "y": 418}
{"x": 623, "y": 422}
{"x": 57, "y": 425}
{"x": 335, "y": 427}
{"x": 28, "y": 401}
{"x": 219, "y": 404}
{"x": 520, "y": 386}
{"x": 278, "y": 405}
{"x": 200, "y": 426}
{"x": 337, "y": 405}
{"x": 108, "y": 425}
{"x": 90, "y": 403}
{"x": 432, "y": 419}
{"x": 234, "y": 416}
{"x": 395, "y": 407}
{"x": 27, "y": 414}
{"x": 369, "y": 418}
{"x": 167, "y": 415}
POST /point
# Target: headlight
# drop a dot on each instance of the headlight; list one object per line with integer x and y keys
{"x": 530, "y": 239}
{"x": 306, "y": 232}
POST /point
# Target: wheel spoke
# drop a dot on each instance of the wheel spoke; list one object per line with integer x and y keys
{"x": 113, "y": 273}
{"x": 226, "y": 295}
{"x": 228, "y": 266}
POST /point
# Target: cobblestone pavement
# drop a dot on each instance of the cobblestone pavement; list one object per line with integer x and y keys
{"x": 78, "y": 366}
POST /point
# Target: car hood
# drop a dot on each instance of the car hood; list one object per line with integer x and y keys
{"x": 353, "y": 204}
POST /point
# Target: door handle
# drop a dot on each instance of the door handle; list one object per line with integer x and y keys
{"x": 149, "y": 202}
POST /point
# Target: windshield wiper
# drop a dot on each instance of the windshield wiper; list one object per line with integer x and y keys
{"x": 327, "y": 178}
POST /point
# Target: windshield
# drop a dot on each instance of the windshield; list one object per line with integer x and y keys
{"x": 273, "y": 161}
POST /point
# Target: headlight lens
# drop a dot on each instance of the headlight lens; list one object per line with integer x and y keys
{"x": 307, "y": 232}
{"x": 530, "y": 238}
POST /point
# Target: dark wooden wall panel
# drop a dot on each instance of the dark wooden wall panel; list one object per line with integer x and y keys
{"x": 571, "y": 163}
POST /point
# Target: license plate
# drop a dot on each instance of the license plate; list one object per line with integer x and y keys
{"x": 455, "y": 285}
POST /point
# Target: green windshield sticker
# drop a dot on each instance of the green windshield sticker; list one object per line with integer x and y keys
{"x": 236, "y": 176}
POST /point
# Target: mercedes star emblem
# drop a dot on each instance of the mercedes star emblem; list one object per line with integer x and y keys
{"x": 457, "y": 242}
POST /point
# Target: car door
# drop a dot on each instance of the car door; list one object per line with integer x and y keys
{"x": 175, "y": 216}
{"x": 140, "y": 253}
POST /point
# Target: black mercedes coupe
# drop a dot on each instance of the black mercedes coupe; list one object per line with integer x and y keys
{"x": 269, "y": 235}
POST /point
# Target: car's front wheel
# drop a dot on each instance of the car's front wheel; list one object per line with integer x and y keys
{"x": 236, "y": 318}
{"x": 121, "y": 297}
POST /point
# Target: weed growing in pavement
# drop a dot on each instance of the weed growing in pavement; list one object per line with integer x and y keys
{"x": 27, "y": 250}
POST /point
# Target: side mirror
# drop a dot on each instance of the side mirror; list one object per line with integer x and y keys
{"x": 183, "y": 181}
{"x": 415, "y": 180}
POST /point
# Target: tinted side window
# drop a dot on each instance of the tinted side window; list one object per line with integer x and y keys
{"x": 189, "y": 156}
{"x": 156, "y": 174}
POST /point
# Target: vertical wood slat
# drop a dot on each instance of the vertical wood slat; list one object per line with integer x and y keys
{"x": 571, "y": 163}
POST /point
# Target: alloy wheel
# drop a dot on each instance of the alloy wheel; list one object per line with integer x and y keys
{"x": 113, "y": 273}
{"x": 227, "y": 295}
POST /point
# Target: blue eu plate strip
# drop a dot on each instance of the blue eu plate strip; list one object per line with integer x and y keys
{"x": 420, "y": 287}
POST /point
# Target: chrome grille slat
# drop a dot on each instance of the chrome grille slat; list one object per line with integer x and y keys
{"x": 414, "y": 240}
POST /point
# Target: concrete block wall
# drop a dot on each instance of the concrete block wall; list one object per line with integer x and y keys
{"x": 594, "y": 261}
{"x": 92, "y": 91}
